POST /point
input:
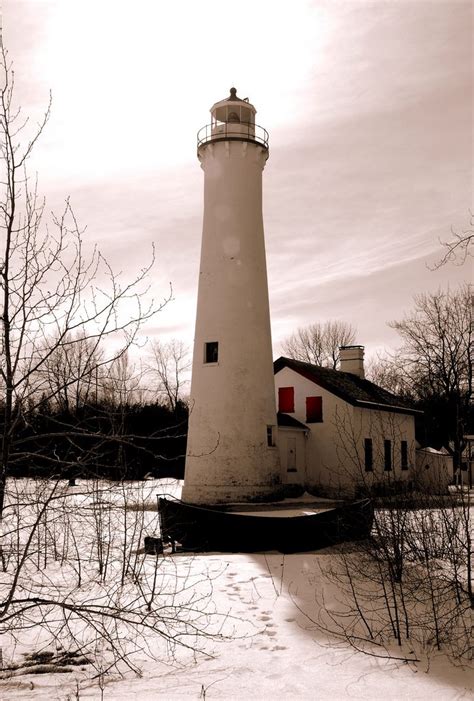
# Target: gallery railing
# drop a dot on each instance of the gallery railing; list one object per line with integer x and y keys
{"x": 232, "y": 131}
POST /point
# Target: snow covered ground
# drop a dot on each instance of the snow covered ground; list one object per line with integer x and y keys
{"x": 271, "y": 648}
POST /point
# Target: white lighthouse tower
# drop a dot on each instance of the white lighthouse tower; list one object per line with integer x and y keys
{"x": 231, "y": 453}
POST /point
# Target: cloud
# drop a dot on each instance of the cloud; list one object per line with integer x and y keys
{"x": 369, "y": 110}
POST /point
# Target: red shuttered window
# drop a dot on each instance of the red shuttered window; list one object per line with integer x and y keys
{"x": 314, "y": 409}
{"x": 286, "y": 399}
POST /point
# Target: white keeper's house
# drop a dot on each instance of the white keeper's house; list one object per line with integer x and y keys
{"x": 338, "y": 432}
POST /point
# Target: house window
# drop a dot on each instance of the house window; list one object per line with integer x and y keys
{"x": 387, "y": 451}
{"x": 404, "y": 455}
{"x": 211, "y": 352}
{"x": 286, "y": 399}
{"x": 314, "y": 409}
{"x": 271, "y": 436}
{"x": 368, "y": 455}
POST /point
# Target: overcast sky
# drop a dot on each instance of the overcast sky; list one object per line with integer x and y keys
{"x": 369, "y": 106}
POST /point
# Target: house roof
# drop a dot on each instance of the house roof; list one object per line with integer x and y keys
{"x": 347, "y": 386}
{"x": 286, "y": 421}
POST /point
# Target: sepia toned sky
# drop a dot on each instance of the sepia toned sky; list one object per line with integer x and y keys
{"x": 369, "y": 106}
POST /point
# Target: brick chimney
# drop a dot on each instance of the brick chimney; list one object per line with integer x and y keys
{"x": 351, "y": 359}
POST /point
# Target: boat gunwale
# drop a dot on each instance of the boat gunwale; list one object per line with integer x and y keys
{"x": 334, "y": 511}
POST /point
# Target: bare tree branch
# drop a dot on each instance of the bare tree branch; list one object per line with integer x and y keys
{"x": 319, "y": 343}
{"x": 459, "y": 247}
{"x": 171, "y": 363}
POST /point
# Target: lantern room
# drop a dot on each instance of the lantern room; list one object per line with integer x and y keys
{"x": 233, "y": 110}
{"x": 233, "y": 119}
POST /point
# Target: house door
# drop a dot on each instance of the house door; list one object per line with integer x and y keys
{"x": 291, "y": 455}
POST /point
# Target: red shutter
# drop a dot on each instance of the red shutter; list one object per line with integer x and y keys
{"x": 314, "y": 409}
{"x": 286, "y": 399}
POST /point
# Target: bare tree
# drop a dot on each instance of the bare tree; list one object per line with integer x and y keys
{"x": 69, "y": 377}
{"x": 71, "y": 563}
{"x": 74, "y": 571}
{"x": 319, "y": 343}
{"x": 407, "y": 590}
{"x": 386, "y": 370}
{"x": 57, "y": 302}
{"x": 437, "y": 358}
{"x": 170, "y": 365}
{"x": 120, "y": 382}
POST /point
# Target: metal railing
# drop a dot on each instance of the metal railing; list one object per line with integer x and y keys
{"x": 232, "y": 131}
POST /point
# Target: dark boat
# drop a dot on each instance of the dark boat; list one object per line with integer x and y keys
{"x": 200, "y": 528}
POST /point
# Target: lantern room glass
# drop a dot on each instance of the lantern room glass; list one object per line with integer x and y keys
{"x": 233, "y": 114}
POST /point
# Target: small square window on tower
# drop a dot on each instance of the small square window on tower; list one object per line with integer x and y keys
{"x": 286, "y": 400}
{"x": 211, "y": 352}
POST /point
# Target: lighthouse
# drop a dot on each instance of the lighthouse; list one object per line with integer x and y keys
{"x": 231, "y": 451}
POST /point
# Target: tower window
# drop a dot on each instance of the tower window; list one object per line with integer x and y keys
{"x": 314, "y": 410}
{"x": 211, "y": 352}
{"x": 387, "y": 451}
{"x": 368, "y": 455}
{"x": 286, "y": 399}
{"x": 271, "y": 436}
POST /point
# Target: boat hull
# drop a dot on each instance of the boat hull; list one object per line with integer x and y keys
{"x": 213, "y": 529}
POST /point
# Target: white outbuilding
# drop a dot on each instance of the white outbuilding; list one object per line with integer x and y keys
{"x": 338, "y": 432}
